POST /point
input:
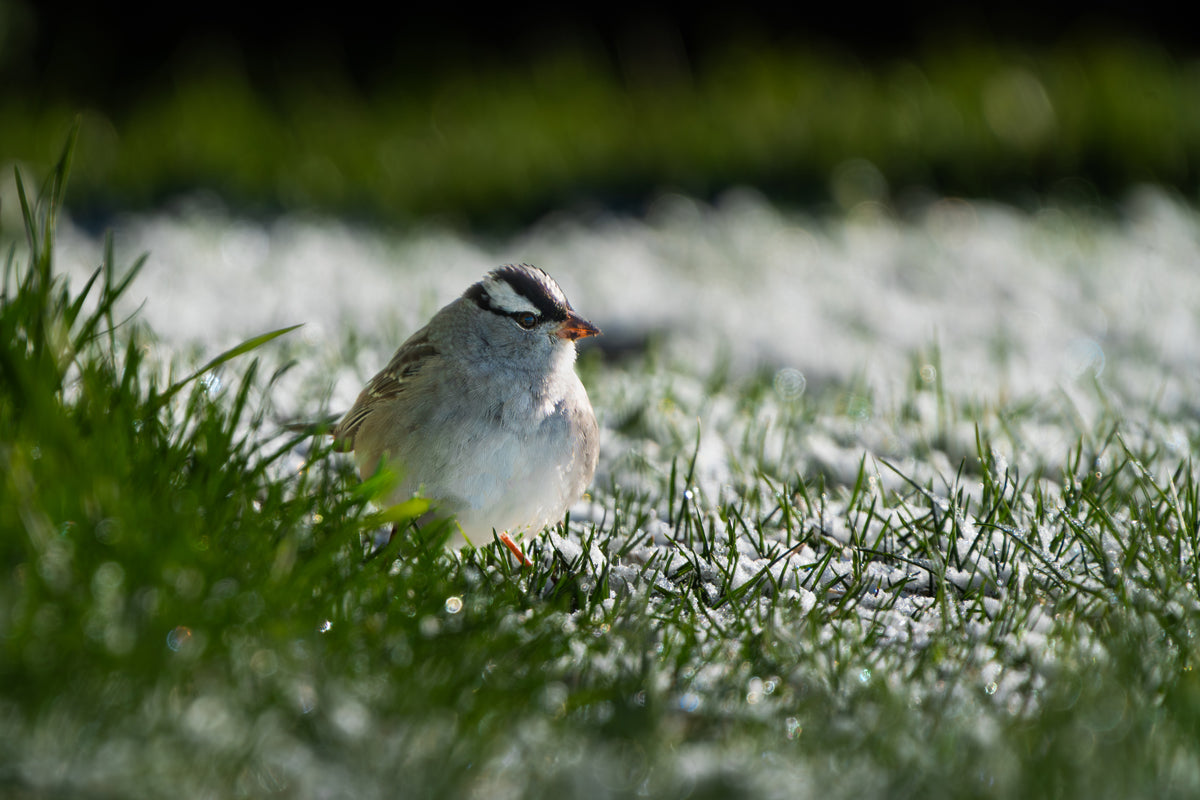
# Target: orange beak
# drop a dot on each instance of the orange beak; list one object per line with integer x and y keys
{"x": 576, "y": 327}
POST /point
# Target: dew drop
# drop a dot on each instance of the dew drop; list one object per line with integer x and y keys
{"x": 792, "y": 726}
{"x": 264, "y": 663}
{"x": 754, "y": 691}
{"x": 790, "y": 383}
{"x": 454, "y": 604}
{"x": 178, "y": 638}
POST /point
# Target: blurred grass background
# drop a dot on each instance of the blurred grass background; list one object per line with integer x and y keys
{"x": 500, "y": 119}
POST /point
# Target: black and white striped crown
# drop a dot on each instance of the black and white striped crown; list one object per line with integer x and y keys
{"x": 519, "y": 289}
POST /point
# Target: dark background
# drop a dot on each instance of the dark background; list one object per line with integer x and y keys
{"x": 106, "y": 54}
{"x": 498, "y": 116}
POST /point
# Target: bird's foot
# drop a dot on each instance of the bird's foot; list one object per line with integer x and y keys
{"x": 507, "y": 541}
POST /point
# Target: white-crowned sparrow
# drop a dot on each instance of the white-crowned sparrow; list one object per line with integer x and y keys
{"x": 482, "y": 411}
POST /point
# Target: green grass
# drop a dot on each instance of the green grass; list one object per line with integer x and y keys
{"x": 187, "y": 607}
{"x": 503, "y": 143}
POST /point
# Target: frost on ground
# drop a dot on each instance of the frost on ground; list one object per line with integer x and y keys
{"x": 934, "y": 324}
{"x": 1018, "y": 303}
{"x": 931, "y": 395}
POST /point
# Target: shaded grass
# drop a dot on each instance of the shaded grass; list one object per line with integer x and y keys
{"x": 1085, "y": 119}
{"x": 187, "y": 605}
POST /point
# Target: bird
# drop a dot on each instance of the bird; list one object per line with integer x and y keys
{"x": 483, "y": 412}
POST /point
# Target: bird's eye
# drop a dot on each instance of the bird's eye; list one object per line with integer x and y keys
{"x": 526, "y": 319}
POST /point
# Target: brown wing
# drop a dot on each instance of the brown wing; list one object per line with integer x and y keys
{"x": 387, "y": 387}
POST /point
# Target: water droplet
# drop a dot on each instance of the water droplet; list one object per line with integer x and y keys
{"x": 454, "y": 604}
{"x": 991, "y": 687}
{"x": 792, "y": 726}
{"x": 790, "y": 383}
{"x": 689, "y": 702}
{"x": 858, "y": 407}
{"x": 864, "y": 676}
{"x": 754, "y": 691}
{"x": 178, "y": 638}
{"x": 325, "y": 627}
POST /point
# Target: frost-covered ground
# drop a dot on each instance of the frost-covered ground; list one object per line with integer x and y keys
{"x": 1019, "y": 303}
{"x": 891, "y": 345}
{"x": 992, "y": 306}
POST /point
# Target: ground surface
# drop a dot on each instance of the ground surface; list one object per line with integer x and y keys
{"x": 886, "y": 506}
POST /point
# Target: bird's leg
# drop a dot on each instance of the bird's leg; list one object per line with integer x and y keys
{"x": 507, "y": 541}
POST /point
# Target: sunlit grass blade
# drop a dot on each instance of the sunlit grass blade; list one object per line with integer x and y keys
{"x": 398, "y": 514}
{"x": 245, "y": 347}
